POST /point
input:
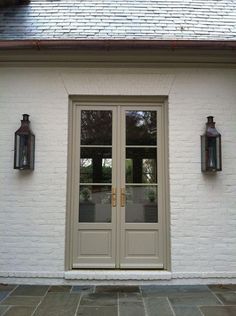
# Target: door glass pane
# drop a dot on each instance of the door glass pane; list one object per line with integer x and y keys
{"x": 95, "y": 165}
{"x": 141, "y": 127}
{"x": 141, "y": 204}
{"x": 96, "y": 127}
{"x": 141, "y": 165}
{"x": 95, "y": 204}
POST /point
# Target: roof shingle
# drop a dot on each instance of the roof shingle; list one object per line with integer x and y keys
{"x": 120, "y": 19}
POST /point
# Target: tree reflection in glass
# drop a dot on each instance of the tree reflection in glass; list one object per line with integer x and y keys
{"x": 95, "y": 165}
{"x": 96, "y": 127}
{"x": 149, "y": 171}
{"x": 141, "y": 165}
{"x": 141, "y": 127}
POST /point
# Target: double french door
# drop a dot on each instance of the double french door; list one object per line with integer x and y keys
{"x": 118, "y": 217}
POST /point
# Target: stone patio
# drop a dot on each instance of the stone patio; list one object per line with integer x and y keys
{"x": 147, "y": 300}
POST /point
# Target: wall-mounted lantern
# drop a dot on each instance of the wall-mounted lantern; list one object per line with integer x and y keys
{"x": 24, "y": 146}
{"x": 211, "y": 148}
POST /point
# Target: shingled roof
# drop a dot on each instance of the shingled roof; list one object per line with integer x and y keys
{"x": 120, "y": 20}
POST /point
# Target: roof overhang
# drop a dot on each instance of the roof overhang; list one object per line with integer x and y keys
{"x": 117, "y": 44}
{"x": 164, "y": 51}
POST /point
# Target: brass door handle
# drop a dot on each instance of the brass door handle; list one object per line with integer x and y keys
{"x": 122, "y": 197}
{"x": 113, "y": 197}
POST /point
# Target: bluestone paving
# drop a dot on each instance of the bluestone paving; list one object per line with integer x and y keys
{"x": 187, "y": 311}
{"x": 169, "y": 290}
{"x": 82, "y": 289}
{"x": 59, "y": 288}
{"x": 131, "y": 309}
{"x": 30, "y": 290}
{"x": 3, "y": 295}
{"x": 194, "y": 299}
{"x": 99, "y": 299}
{"x": 115, "y": 289}
{"x": 148, "y": 300}
{"x": 3, "y": 309}
{"x": 21, "y": 300}
{"x": 218, "y": 311}
{"x": 130, "y": 297}
{"x": 7, "y": 287}
{"x": 20, "y": 311}
{"x": 97, "y": 311}
{"x": 219, "y": 288}
{"x": 58, "y": 304}
{"x": 228, "y": 298}
{"x": 158, "y": 306}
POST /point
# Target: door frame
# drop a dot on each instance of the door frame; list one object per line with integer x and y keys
{"x": 72, "y": 164}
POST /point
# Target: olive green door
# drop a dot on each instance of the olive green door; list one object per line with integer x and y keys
{"x": 118, "y": 193}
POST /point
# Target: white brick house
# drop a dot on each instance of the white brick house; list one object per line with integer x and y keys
{"x": 61, "y": 59}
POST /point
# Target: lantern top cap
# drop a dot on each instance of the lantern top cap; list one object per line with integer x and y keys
{"x": 210, "y": 122}
{"x": 210, "y": 119}
{"x": 25, "y": 117}
{"x": 25, "y": 126}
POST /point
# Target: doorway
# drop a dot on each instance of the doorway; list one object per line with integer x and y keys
{"x": 118, "y": 190}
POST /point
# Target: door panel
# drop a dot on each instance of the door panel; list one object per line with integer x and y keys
{"x": 118, "y": 222}
{"x": 95, "y": 242}
{"x": 96, "y": 214}
{"x": 140, "y": 230}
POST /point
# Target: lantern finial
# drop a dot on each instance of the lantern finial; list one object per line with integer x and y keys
{"x": 210, "y": 122}
{"x": 26, "y": 117}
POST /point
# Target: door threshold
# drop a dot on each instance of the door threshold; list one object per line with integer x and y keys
{"x": 105, "y": 275}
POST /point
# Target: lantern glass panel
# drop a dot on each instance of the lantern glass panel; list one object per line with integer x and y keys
{"x": 24, "y": 151}
{"x": 31, "y": 159}
{"x": 218, "y": 153}
{"x": 203, "y": 152}
{"x": 17, "y": 152}
{"x": 211, "y": 153}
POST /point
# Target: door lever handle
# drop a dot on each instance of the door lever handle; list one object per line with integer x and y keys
{"x": 113, "y": 197}
{"x": 122, "y": 197}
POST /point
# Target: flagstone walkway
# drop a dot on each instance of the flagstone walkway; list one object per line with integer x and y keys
{"x": 147, "y": 300}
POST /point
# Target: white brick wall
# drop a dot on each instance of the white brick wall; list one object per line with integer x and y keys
{"x": 203, "y": 217}
{"x": 33, "y": 205}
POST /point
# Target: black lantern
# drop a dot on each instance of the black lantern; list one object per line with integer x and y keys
{"x": 211, "y": 148}
{"x": 24, "y": 146}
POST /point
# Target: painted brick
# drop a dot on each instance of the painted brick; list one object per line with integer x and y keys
{"x": 33, "y": 206}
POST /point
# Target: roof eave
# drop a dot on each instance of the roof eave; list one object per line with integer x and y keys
{"x": 117, "y": 44}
